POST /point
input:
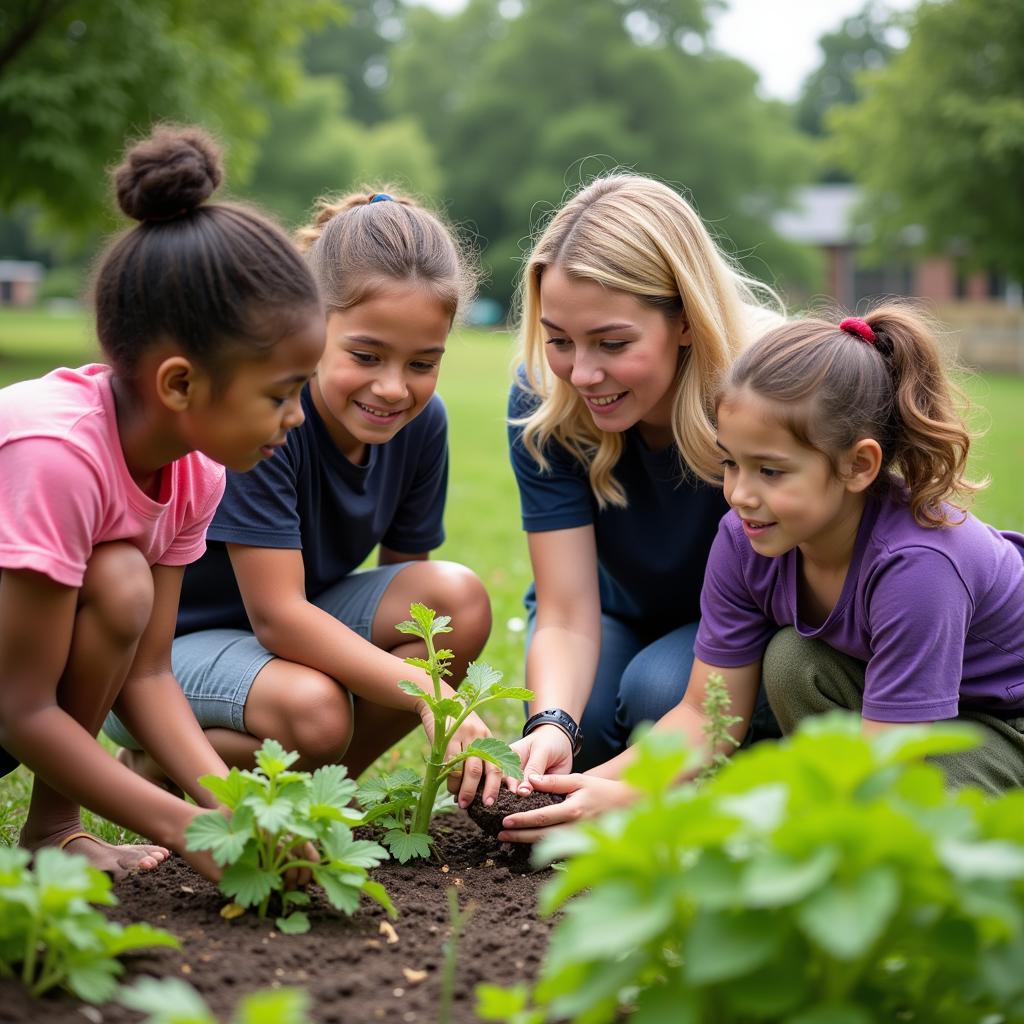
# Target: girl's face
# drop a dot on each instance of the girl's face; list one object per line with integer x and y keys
{"x": 380, "y": 366}
{"x": 786, "y": 493}
{"x": 620, "y": 354}
{"x": 244, "y": 420}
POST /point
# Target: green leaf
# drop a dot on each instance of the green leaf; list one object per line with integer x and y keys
{"x": 339, "y": 888}
{"x": 494, "y": 751}
{"x": 380, "y": 896}
{"x": 406, "y": 845}
{"x": 846, "y": 918}
{"x": 247, "y": 883}
{"x": 231, "y": 790}
{"x": 167, "y": 1001}
{"x": 338, "y": 845}
{"x": 661, "y": 758}
{"x": 506, "y": 1004}
{"x": 225, "y": 838}
{"x": 422, "y": 663}
{"x": 273, "y": 815}
{"x": 723, "y": 945}
{"x": 666, "y": 1004}
{"x": 95, "y": 982}
{"x": 776, "y": 880}
{"x": 409, "y": 687}
{"x": 833, "y": 1015}
{"x": 511, "y": 693}
{"x": 610, "y": 919}
{"x": 916, "y": 742}
{"x": 296, "y": 923}
{"x": 447, "y": 707}
{"x": 331, "y": 785}
{"x": 482, "y": 677}
{"x": 138, "y": 936}
{"x": 274, "y": 759}
{"x": 995, "y": 859}
{"x": 280, "y": 1006}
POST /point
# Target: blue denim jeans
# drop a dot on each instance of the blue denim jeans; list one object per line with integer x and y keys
{"x": 638, "y": 680}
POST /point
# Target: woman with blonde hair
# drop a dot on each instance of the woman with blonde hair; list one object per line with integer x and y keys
{"x": 630, "y": 316}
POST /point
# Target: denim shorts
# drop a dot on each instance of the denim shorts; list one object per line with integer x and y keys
{"x": 216, "y": 667}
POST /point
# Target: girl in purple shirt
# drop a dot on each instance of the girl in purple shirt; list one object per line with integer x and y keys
{"x": 843, "y": 462}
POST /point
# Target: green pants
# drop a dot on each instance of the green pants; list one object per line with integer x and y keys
{"x": 807, "y": 677}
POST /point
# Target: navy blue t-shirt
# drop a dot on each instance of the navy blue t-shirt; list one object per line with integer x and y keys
{"x": 308, "y": 496}
{"x": 651, "y": 554}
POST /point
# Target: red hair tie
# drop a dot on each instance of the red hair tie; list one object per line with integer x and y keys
{"x": 861, "y": 328}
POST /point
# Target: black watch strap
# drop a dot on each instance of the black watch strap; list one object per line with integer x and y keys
{"x": 564, "y": 721}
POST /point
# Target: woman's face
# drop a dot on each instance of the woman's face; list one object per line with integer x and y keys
{"x": 621, "y": 355}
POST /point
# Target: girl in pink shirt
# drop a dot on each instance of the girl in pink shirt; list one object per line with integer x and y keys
{"x": 109, "y": 474}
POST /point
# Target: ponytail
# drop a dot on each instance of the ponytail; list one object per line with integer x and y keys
{"x": 882, "y": 377}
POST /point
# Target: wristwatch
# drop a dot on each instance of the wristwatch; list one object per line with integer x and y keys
{"x": 564, "y": 721}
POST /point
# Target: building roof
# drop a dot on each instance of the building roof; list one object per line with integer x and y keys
{"x": 21, "y": 270}
{"x": 821, "y": 215}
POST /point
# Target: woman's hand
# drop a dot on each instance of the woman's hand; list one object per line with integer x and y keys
{"x": 546, "y": 751}
{"x": 585, "y": 797}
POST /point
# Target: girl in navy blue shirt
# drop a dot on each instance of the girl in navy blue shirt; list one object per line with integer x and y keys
{"x": 279, "y": 635}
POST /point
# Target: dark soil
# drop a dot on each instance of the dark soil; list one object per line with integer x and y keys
{"x": 353, "y": 968}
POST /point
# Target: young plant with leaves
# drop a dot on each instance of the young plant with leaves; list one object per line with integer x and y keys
{"x": 405, "y": 802}
{"x": 831, "y": 878}
{"x": 50, "y": 933}
{"x": 278, "y": 819}
{"x": 173, "y": 1001}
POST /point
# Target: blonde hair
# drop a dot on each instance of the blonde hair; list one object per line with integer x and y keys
{"x": 832, "y": 388}
{"x": 637, "y": 235}
{"x": 358, "y": 242}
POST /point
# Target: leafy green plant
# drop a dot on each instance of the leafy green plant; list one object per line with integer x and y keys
{"x": 404, "y": 802}
{"x": 827, "y": 879}
{"x": 716, "y": 729}
{"x": 50, "y": 933}
{"x": 278, "y": 818}
{"x": 457, "y": 921}
{"x": 173, "y": 1001}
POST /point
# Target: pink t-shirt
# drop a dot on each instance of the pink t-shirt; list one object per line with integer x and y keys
{"x": 65, "y": 487}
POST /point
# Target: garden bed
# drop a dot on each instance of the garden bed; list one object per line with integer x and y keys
{"x": 353, "y": 968}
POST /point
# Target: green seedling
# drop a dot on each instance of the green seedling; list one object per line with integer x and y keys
{"x": 404, "y": 802}
{"x": 278, "y": 819}
{"x": 716, "y": 728}
{"x": 172, "y": 1001}
{"x": 52, "y": 936}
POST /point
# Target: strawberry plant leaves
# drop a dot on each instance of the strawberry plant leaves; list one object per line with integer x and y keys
{"x": 167, "y": 1001}
{"x": 231, "y": 790}
{"x": 340, "y": 891}
{"x": 406, "y": 845}
{"x": 279, "y": 1006}
{"x": 294, "y": 924}
{"x": 247, "y": 883}
{"x": 225, "y": 838}
{"x": 94, "y": 982}
{"x": 274, "y": 759}
{"x": 274, "y": 815}
{"x": 411, "y": 688}
{"x": 725, "y": 944}
{"x": 379, "y": 895}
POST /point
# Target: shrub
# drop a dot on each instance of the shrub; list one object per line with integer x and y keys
{"x": 827, "y": 878}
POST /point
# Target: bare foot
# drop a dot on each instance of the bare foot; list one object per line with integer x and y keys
{"x": 142, "y": 764}
{"x": 116, "y": 861}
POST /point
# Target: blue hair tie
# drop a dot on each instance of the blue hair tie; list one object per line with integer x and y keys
{"x": 381, "y": 197}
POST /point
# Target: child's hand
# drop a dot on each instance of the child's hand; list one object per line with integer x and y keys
{"x": 465, "y": 783}
{"x": 586, "y": 796}
{"x": 546, "y": 751}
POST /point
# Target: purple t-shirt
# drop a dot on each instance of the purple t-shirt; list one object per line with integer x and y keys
{"x": 937, "y": 614}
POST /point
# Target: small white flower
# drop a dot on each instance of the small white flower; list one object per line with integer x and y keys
{"x": 516, "y": 624}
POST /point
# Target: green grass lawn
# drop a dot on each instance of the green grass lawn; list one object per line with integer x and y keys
{"x": 482, "y": 518}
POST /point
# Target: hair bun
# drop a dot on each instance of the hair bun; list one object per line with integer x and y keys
{"x": 170, "y": 173}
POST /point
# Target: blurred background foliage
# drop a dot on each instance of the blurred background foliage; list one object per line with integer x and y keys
{"x": 494, "y": 112}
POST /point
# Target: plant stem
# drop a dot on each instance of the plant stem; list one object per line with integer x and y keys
{"x": 451, "y": 955}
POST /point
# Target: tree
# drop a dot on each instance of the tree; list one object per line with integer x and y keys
{"x": 531, "y": 101}
{"x": 312, "y": 148}
{"x": 938, "y": 140}
{"x": 863, "y": 42}
{"x": 78, "y": 76}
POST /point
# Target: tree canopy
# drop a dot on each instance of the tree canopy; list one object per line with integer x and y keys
{"x": 938, "y": 139}
{"x": 78, "y": 76}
